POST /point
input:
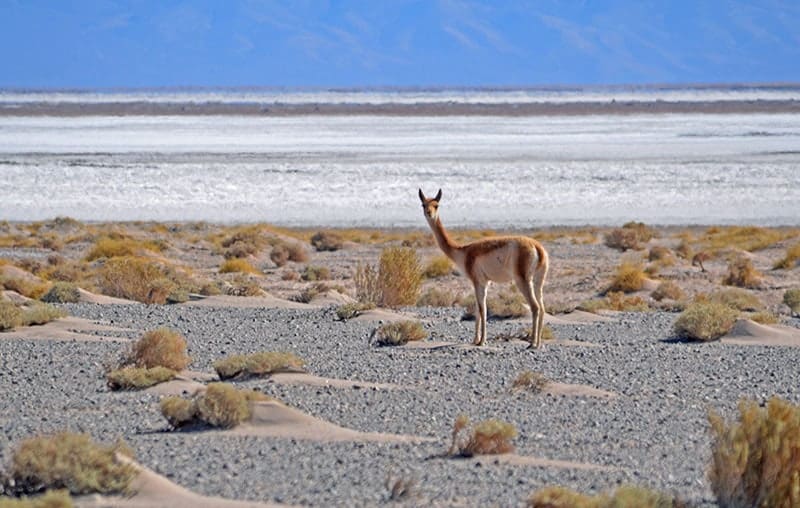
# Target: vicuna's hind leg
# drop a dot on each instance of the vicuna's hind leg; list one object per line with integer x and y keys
{"x": 525, "y": 287}
{"x": 480, "y": 314}
{"x": 538, "y": 292}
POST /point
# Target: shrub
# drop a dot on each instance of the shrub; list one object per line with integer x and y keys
{"x": 314, "y": 273}
{"x": 399, "y": 276}
{"x": 489, "y": 437}
{"x": 327, "y": 241}
{"x": 668, "y": 290}
{"x": 238, "y": 265}
{"x": 245, "y": 242}
{"x": 764, "y": 317}
{"x": 624, "y": 497}
{"x": 279, "y": 254}
{"x": 748, "y": 238}
{"x": 399, "y": 333}
{"x": 790, "y": 259}
{"x": 108, "y": 247}
{"x": 617, "y": 301}
{"x": 26, "y": 287}
{"x": 135, "y": 279}
{"x": 351, "y": 310}
{"x": 49, "y": 499}
{"x": 438, "y": 267}
{"x": 529, "y": 381}
{"x": 243, "y": 286}
{"x": 10, "y": 316}
{"x": 138, "y": 378}
{"x": 629, "y": 237}
{"x": 221, "y": 405}
{"x": 628, "y": 278}
{"x": 705, "y": 321}
{"x": 506, "y": 304}
{"x": 735, "y": 298}
{"x": 161, "y": 347}
{"x": 659, "y": 253}
{"x": 756, "y": 461}
{"x": 178, "y": 411}
{"x": 792, "y": 298}
{"x": 73, "y": 462}
{"x": 297, "y": 252}
{"x": 435, "y": 297}
{"x": 62, "y": 292}
{"x": 684, "y": 250}
{"x": 39, "y": 314}
{"x": 742, "y": 273}
{"x": 367, "y": 284}
{"x": 258, "y": 364}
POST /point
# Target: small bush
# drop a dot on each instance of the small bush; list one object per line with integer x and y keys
{"x": 489, "y": 437}
{"x": 238, "y": 265}
{"x": 10, "y": 316}
{"x": 161, "y": 347}
{"x": 62, "y": 292}
{"x": 351, "y": 310}
{"x": 315, "y": 273}
{"x": 629, "y": 277}
{"x": 659, "y": 253}
{"x": 705, "y": 321}
{"x": 623, "y": 497}
{"x": 73, "y": 462}
{"x": 327, "y": 241}
{"x": 50, "y": 499}
{"x": 108, "y": 247}
{"x": 756, "y": 461}
{"x": 792, "y": 298}
{"x": 368, "y": 289}
{"x": 279, "y": 254}
{"x": 684, "y": 250}
{"x": 629, "y": 237}
{"x": 135, "y": 279}
{"x": 668, "y": 290}
{"x": 748, "y": 238}
{"x": 258, "y": 364}
{"x": 742, "y": 273}
{"x": 435, "y": 297}
{"x": 26, "y": 287}
{"x": 243, "y": 286}
{"x": 221, "y": 405}
{"x": 735, "y": 298}
{"x": 506, "y": 304}
{"x": 790, "y": 259}
{"x": 617, "y": 301}
{"x": 399, "y": 276}
{"x": 529, "y": 381}
{"x": 247, "y": 241}
{"x": 178, "y": 411}
{"x": 438, "y": 267}
{"x": 39, "y": 314}
{"x": 138, "y": 378}
{"x": 400, "y": 332}
{"x": 764, "y": 318}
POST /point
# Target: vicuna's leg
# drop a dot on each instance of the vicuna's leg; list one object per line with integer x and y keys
{"x": 480, "y": 314}
{"x": 538, "y": 292}
{"x": 526, "y": 288}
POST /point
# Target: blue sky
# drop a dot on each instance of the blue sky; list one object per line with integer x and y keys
{"x": 351, "y": 43}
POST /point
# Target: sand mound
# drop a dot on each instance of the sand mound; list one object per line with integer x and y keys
{"x": 576, "y": 390}
{"x": 329, "y": 298}
{"x": 14, "y": 297}
{"x": 298, "y": 378}
{"x": 383, "y": 315}
{"x": 152, "y": 490}
{"x": 14, "y": 272}
{"x": 748, "y": 332}
{"x": 267, "y": 301}
{"x": 89, "y": 297}
{"x": 273, "y": 419}
{"x": 68, "y": 328}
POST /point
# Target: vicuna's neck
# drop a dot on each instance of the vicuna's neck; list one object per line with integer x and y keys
{"x": 443, "y": 240}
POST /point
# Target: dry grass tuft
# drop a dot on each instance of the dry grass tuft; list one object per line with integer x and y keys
{"x": 438, "y": 267}
{"x": 120, "y": 246}
{"x": 529, "y": 381}
{"x": 489, "y": 437}
{"x": 26, "y": 287}
{"x": 735, "y": 298}
{"x": 258, "y": 364}
{"x": 49, "y": 499}
{"x": 221, "y": 405}
{"x": 791, "y": 258}
{"x": 748, "y": 238}
{"x": 178, "y": 411}
{"x": 668, "y": 290}
{"x": 62, "y": 292}
{"x": 756, "y": 461}
{"x": 630, "y": 236}
{"x": 10, "y": 316}
{"x": 136, "y": 279}
{"x": 327, "y": 241}
{"x": 399, "y": 333}
{"x": 764, "y": 318}
{"x": 40, "y": 313}
{"x": 368, "y": 289}
{"x": 624, "y": 497}
{"x": 162, "y": 347}
{"x": 629, "y": 277}
{"x": 506, "y": 304}
{"x": 73, "y": 462}
{"x": 792, "y": 298}
{"x": 742, "y": 273}
{"x": 313, "y": 273}
{"x": 238, "y": 265}
{"x": 138, "y": 378}
{"x": 616, "y": 301}
{"x": 705, "y": 321}
{"x": 399, "y": 276}
{"x": 243, "y": 242}
{"x": 351, "y": 310}
{"x": 435, "y": 297}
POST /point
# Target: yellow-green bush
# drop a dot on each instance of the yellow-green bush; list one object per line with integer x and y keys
{"x": 399, "y": 276}
{"x": 62, "y": 292}
{"x": 73, "y": 462}
{"x": 507, "y": 303}
{"x": 110, "y": 247}
{"x": 438, "y": 267}
{"x": 435, "y": 297}
{"x": 792, "y": 298}
{"x": 135, "y": 279}
{"x": 705, "y": 321}
{"x": 624, "y": 497}
{"x": 50, "y": 499}
{"x": 742, "y": 273}
{"x": 40, "y": 313}
{"x": 790, "y": 259}
{"x": 529, "y": 381}
{"x": 162, "y": 347}
{"x": 237, "y": 265}
{"x": 221, "y": 405}
{"x": 351, "y": 310}
{"x": 629, "y": 277}
{"x": 399, "y": 333}
{"x": 615, "y": 300}
{"x": 489, "y": 437}
{"x": 26, "y": 287}
{"x": 668, "y": 290}
{"x": 747, "y": 238}
{"x": 313, "y": 273}
{"x": 756, "y": 461}
{"x": 138, "y": 378}
{"x": 368, "y": 289}
{"x": 735, "y": 298}
{"x": 263, "y": 363}
{"x": 10, "y": 316}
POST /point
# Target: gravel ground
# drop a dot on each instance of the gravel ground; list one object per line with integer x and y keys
{"x": 655, "y": 432}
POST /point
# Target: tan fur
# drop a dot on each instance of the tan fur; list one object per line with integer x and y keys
{"x": 501, "y": 259}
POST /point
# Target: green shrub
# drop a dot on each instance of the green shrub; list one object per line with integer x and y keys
{"x": 73, "y": 462}
{"x": 162, "y": 347}
{"x": 327, "y": 241}
{"x": 399, "y": 333}
{"x": 438, "y": 267}
{"x": 40, "y": 313}
{"x": 351, "y": 310}
{"x": 529, "y": 381}
{"x": 62, "y": 292}
{"x": 10, "y": 316}
{"x": 623, "y": 497}
{"x": 756, "y": 461}
{"x": 258, "y": 364}
{"x": 489, "y": 437}
{"x": 178, "y": 411}
{"x": 368, "y": 289}
{"x": 50, "y": 499}
{"x": 705, "y": 321}
{"x": 629, "y": 277}
{"x": 399, "y": 276}
{"x": 792, "y": 298}
{"x": 138, "y": 378}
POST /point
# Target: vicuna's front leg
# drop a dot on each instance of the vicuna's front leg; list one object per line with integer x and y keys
{"x": 525, "y": 287}
{"x": 480, "y": 314}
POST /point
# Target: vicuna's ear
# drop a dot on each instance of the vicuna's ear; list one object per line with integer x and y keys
{"x": 438, "y": 195}
{"x": 421, "y": 196}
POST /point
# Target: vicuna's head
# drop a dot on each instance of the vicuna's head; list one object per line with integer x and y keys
{"x": 430, "y": 206}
